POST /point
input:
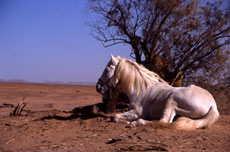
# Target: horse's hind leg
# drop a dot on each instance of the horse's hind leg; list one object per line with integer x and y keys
{"x": 169, "y": 112}
{"x": 139, "y": 122}
{"x": 155, "y": 124}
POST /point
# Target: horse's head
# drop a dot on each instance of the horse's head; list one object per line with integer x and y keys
{"x": 108, "y": 79}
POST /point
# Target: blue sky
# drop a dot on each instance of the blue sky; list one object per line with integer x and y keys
{"x": 49, "y": 40}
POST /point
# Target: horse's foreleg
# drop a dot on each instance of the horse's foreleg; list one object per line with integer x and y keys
{"x": 126, "y": 117}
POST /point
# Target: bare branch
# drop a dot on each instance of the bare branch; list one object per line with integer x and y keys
{"x": 166, "y": 36}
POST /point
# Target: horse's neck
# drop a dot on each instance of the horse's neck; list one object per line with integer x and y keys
{"x": 147, "y": 93}
{"x": 137, "y": 88}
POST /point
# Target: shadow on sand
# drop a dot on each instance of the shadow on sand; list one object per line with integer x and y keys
{"x": 86, "y": 112}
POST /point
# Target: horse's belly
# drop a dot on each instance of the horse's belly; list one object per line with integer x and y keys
{"x": 154, "y": 115}
{"x": 153, "y": 112}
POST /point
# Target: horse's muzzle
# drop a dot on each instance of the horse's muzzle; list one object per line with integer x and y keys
{"x": 99, "y": 88}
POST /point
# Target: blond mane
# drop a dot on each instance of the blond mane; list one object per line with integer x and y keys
{"x": 136, "y": 77}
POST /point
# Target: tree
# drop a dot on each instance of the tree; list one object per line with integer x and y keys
{"x": 167, "y": 36}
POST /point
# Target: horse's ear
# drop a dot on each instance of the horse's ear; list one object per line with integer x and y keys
{"x": 111, "y": 55}
{"x": 114, "y": 60}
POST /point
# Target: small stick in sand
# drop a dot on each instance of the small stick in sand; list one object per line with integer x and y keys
{"x": 18, "y": 109}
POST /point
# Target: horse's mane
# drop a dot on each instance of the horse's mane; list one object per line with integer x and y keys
{"x": 135, "y": 76}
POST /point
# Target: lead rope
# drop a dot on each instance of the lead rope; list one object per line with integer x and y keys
{"x": 179, "y": 74}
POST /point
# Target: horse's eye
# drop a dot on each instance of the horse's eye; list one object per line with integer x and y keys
{"x": 106, "y": 70}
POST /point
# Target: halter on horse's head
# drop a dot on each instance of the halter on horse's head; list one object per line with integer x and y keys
{"x": 107, "y": 80}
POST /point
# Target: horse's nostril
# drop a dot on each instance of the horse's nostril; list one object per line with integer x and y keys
{"x": 98, "y": 88}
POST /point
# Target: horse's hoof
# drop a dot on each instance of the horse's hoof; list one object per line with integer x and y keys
{"x": 116, "y": 118}
{"x": 131, "y": 124}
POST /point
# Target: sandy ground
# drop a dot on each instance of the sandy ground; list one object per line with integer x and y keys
{"x": 49, "y": 124}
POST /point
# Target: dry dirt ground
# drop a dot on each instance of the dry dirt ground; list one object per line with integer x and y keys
{"x": 49, "y": 124}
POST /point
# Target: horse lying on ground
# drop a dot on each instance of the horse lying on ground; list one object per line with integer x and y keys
{"x": 151, "y": 98}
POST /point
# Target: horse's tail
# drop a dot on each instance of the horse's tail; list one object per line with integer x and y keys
{"x": 184, "y": 123}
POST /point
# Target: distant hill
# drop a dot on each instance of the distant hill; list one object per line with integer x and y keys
{"x": 83, "y": 83}
{"x": 71, "y": 82}
{"x": 50, "y": 82}
{"x": 17, "y": 80}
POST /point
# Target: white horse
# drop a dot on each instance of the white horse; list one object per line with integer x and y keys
{"x": 151, "y": 98}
